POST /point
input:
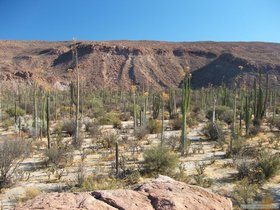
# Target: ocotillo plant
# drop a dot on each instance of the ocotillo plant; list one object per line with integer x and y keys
{"x": 186, "y": 95}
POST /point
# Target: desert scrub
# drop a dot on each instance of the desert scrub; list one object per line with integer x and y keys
{"x": 172, "y": 142}
{"x": 12, "y": 112}
{"x": 108, "y": 140}
{"x": 12, "y": 152}
{"x": 176, "y": 124}
{"x": 59, "y": 155}
{"x": 92, "y": 183}
{"x": 269, "y": 163}
{"x": 214, "y": 131}
{"x": 110, "y": 118}
{"x": 69, "y": 127}
{"x": 153, "y": 126}
{"x": 200, "y": 178}
{"x": 30, "y": 193}
{"x": 245, "y": 192}
{"x": 223, "y": 113}
{"x": 263, "y": 167}
{"x": 140, "y": 133}
{"x": 160, "y": 160}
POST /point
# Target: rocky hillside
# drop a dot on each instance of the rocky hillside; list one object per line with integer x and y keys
{"x": 123, "y": 63}
{"x": 161, "y": 193}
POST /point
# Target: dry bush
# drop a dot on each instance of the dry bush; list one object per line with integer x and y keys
{"x": 140, "y": 133}
{"x": 30, "y": 193}
{"x": 153, "y": 126}
{"x": 12, "y": 152}
{"x": 214, "y": 131}
{"x": 108, "y": 140}
{"x": 245, "y": 192}
{"x": 173, "y": 142}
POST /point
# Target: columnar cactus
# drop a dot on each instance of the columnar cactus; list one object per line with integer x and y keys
{"x": 35, "y": 110}
{"x": 48, "y": 120}
{"x": 164, "y": 98}
{"x": 133, "y": 90}
{"x": 186, "y": 95}
{"x": 171, "y": 103}
{"x": 247, "y": 114}
{"x": 156, "y": 105}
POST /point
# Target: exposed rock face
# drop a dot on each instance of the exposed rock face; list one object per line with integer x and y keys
{"x": 123, "y": 63}
{"x": 162, "y": 193}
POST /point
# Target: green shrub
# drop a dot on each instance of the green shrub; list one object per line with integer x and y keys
{"x": 176, "y": 124}
{"x": 110, "y": 118}
{"x": 265, "y": 166}
{"x": 203, "y": 181}
{"x": 13, "y": 112}
{"x": 92, "y": 183}
{"x": 97, "y": 107}
{"x": 220, "y": 110}
{"x": 226, "y": 116}
{"x": 160, "y": 160}
{"x": 269, "y": 163}
{"x": 153, "y": 126}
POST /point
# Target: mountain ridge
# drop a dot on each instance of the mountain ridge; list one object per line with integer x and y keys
{"x": 124, "y": 63}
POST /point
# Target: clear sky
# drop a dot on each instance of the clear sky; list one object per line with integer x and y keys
{"x": 167, "y": 20}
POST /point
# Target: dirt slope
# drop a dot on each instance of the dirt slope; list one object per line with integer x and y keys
{"x": 123, "y": 63}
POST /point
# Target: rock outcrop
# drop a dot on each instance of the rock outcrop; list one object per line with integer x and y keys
{"x": 162, "y": 193}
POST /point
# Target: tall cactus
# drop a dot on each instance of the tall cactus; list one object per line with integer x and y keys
{"x": 48, "y": 120}
{"x": 77, "y": 92}
{"x": 164, "y": 98}
{"x": 35, "y": 110}
{"x": 247, "y": 114}
{"x": 133, "y": 90}
{"x": 186, "y": 93}
{"x": 156, "y": 105}
{"x": 171, "y": 103}
{"x": 261, "y": 101}
{"x": 117, "y": 159}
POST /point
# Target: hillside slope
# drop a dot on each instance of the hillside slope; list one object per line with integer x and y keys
{"x": 123, "y": 63}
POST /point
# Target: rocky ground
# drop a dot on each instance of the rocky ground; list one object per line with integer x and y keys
{"x": 161, "y": 193}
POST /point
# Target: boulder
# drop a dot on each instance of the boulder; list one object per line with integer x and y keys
{"x": 162, "y": 193}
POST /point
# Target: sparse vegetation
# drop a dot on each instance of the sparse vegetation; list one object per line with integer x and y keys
{"x": 160, "y": 160}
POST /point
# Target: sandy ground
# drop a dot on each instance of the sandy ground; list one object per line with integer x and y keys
{"x": 36, "y": 176}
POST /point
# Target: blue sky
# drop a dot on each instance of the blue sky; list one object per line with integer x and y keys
{"x": 166, "y": 20}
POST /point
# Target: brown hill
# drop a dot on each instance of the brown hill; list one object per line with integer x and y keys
{"x": 123, "y": 63}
